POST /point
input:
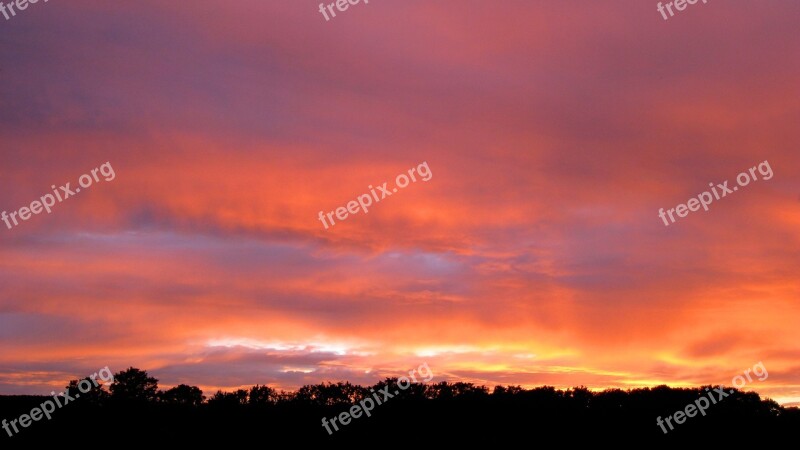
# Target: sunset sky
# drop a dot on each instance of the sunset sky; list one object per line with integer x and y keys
{"x": 554, "y": 131}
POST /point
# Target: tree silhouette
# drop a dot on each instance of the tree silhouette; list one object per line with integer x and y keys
{"x": 134, "y": 385}
{"x": 449, "y": 411}
{"x": 94, "y": 395}
{"x": 229, "y": 399}
{"x": 581, "y": 397}
{"x": 183, "y": 395}
{"x": 329, "y": 394}
{"x": 507, "y": 391}
{"x": 263, "y": 395}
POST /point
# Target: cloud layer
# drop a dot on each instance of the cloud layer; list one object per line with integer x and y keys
{"x": 534, "y": 255}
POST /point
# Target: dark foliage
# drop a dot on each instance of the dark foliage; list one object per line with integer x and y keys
{"x": 424, "y": 415}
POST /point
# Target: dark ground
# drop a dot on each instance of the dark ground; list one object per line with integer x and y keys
{"x": 422, "y": 416}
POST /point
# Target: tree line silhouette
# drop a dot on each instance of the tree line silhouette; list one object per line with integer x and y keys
{"x": 133, "y": 408}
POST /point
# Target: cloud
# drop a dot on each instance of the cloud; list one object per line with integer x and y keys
{"x": 554, "y": 131}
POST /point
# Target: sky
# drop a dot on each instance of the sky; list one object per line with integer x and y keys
{"x": 554, "y": 132}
